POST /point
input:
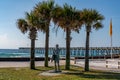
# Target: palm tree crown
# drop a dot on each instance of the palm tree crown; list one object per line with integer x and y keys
{"x": 66, "y": 17}
{"x": 91, "y": 18}
{"x": 22, "y": 25}
{"x": 30, "y": 23}
{"x": 43, "y": 10}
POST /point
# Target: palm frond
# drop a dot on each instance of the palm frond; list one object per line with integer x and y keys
{"x": 98, "y": 25}
{"x": 22, "y": 25}
{"x": 92, "y": 18}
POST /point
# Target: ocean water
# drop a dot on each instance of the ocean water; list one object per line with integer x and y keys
{"x": 14, "y": 53}
{"x": 8, "y": 53}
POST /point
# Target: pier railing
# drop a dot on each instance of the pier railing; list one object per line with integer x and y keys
{"x": 94, "y": 52}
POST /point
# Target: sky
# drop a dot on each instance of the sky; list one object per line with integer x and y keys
{"x": 12, "y": 38}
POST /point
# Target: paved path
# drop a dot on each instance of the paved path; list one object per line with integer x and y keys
{"x": 94, "y": 64}
{"x": 5, "y": 64}
{"x": 100, "y": 64}
{"x": 52, "y": 73}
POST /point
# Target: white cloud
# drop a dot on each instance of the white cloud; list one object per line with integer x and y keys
{"x": 6, "y": 42}
{"x": 3, "y": 39}
{"x": 3, "y": 36}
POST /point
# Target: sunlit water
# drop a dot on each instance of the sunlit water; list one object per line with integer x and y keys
{"x": 9, "y": 53}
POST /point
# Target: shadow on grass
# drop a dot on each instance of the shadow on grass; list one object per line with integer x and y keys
{"x": 43, "y": 68}
{"x": 77, "y": 71}
{"x": 96, "y": 75}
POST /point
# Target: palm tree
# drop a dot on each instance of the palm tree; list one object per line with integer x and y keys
{"x": 91, "y": 19}
{"x": 29, "y": 25}
{"x": 43, "y": 11}
{"x": 68, "y": 19}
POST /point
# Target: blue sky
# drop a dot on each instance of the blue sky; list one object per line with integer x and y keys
{"x": 11, "y": 37}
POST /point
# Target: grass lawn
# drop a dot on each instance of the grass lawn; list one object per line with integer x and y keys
{"x": 76, "y": 73}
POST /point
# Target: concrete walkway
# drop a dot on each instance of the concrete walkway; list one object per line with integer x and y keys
{"x": 5, "y": 64}
{"x": 53, "y": 73}
{"x": 99, "y": 64}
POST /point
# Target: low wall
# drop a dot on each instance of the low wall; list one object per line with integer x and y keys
{"x": 22, "y": 59}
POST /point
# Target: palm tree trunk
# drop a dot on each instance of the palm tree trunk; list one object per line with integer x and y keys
{"x": 46, "y": 47}
{"x": 87, "y": 51}
{"x": 67, "y": 67}
{"x": 32, "y": 57}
